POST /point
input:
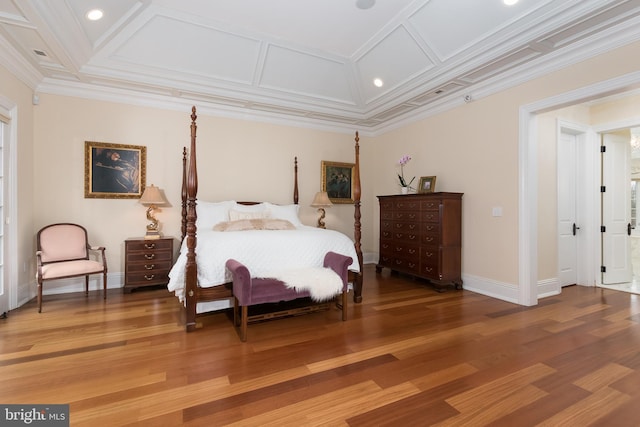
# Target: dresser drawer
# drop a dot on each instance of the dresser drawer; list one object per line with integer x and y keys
{"x": 406, "y": 204}
{"x": 149, "y": 256}
{"x": 149, "y": 266}
{"x": 149, "y": 245}
{"x": 407, "y": 216}
{"x": 148, "y": 278}
{"x": 402, "y": 226}
{"x": 431, "y": 216}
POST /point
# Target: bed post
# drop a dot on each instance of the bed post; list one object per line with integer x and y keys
{"x": 357, "y": 226}
{"x": 295, "y": 180}
{"x": 183, "y": 228}
{"x": 191, "y": 269}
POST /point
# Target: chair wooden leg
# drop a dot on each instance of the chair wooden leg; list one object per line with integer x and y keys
{"x": 86, "y": 286}
{"x": 345, "y": 295}
{"x": 236, "y": 318}
{"x": 104, "y": 284}
{"x": 243, "y": 326}
{"x": 39, "y": 297}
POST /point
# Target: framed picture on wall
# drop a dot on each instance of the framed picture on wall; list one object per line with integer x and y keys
{"x": 427, "y": 184}
{"x": 337, "y": 181}
{"x": 114, "y": 171}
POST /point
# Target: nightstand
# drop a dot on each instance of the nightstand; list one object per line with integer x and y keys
{"x": 147, "y": 262}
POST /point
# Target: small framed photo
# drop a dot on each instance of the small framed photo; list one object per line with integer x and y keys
{"x": 427, "y": 184}
{"x": 114, "y": 171}
{"x": 337, "y": 181}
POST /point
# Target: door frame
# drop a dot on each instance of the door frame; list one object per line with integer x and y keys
{"x": 10, "y": 110}
{"x": 528, "y": 173}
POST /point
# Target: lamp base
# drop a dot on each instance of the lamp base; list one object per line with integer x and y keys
{"x": 151, "y": 235}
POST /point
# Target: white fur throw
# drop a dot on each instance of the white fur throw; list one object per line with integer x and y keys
{"x": 321, "y": 282}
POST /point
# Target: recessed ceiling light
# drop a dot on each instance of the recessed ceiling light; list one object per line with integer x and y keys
{"x": 95, "y": 15}
{"x": 509, "y": 2}
{"x": 378, "y": 82}
{"x": 365, "y": 4}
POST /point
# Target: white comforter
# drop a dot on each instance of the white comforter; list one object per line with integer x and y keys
{"x": 265, "y": 252}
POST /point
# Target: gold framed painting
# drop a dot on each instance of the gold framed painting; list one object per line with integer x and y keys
{"x": 114, "y": 171}
{"x": 337, "y": 181}
{"x": 427, "y": 184}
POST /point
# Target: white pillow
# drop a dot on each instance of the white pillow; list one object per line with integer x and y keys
{"x": 235, "y": 215}
{"x": 210, "y": 213}
{"x": 259, "y": 207}
{"x": 286, "y": 212}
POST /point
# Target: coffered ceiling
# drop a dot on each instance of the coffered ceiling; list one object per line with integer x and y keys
{"x": 302, "y": 61}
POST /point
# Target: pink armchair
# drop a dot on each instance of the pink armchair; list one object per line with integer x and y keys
{"x": 63, "y": 251}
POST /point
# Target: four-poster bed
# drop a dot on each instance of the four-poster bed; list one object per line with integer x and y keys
{"x": 187, "y": 274}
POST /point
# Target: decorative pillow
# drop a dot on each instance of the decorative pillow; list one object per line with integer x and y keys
{"x": 235, "y": 215}
{"x": 254, "y": 224}
{"x": 210, "y": 213}
{"x": 286, "y": 212}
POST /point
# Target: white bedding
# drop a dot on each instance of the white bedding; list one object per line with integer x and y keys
{"x": 264, "y": 252}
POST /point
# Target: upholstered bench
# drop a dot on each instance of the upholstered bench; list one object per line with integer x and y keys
{"x": 248, "y": 291}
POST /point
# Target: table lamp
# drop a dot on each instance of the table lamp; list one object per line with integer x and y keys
{"x": 153, "y": 198}
{"x": 321, "y": 201}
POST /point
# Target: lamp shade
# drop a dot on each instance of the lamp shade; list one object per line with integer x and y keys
{"x": 321, "y": 200}
{"x": 153, "y": 196}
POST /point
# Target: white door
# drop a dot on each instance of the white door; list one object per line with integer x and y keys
{"x": 616, "y": 209}
{"x": 568, "y": 229}
{"x": 4, "y": 291}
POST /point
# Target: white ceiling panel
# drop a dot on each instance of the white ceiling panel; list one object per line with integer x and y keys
{"x": 306, "y": 74}
{"x": 302, "y": 61}
{"x": 395, "y": 60}
{"x": 114, "y": 14}
{"x": 452, "y": 26}
{"x": 170, "y": 44}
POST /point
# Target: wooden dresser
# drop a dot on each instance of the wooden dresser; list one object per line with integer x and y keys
{"x": 147, "y": 262}
{"x": 421, "y": 235}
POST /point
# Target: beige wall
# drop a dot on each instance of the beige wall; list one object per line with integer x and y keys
{"x": 18, "y": 94}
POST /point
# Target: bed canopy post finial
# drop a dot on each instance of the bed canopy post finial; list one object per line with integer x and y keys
{"x": 191, "y": 269}
{"x": 295, "y": 180}
{"x": 357, "y": 226}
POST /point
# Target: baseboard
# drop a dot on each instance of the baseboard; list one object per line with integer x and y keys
{"x": 69, "y": 285}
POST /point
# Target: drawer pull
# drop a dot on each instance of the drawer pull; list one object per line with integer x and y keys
{"x": 149, "y": 245}
{"x": 429, "y": 254}
{"x": 429, "y": 269}
{"x": 412, "y": 226}
{"x": 412, "y": 265}
{"x": 149, "y": 267}
{"x": 149, "y": 256}
{"x": 412, "y": 237}
{"x": 149, "y": 277}
{"x": 398, "y": 249}
{"x": 412, "y": 251}
{"x": 430, "y": 216}
{"x": 430, "y": 227}
{"x": 398, "y": 235}
{"x": 429, "y": 239}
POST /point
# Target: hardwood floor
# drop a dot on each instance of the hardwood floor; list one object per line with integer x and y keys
{"x": 407, "y": 356}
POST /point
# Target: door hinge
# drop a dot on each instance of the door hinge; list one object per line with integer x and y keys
{"x": 603, "y": 229}
{"x": 603, "y": 148}
{"x": 603, "y": 189}
{"x": 603, "y": 269}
